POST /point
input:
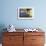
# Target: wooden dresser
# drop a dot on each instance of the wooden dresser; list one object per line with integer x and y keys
{"x": 23, "y": 38}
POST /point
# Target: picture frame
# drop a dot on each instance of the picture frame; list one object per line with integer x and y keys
{"x": 25, "y": 13}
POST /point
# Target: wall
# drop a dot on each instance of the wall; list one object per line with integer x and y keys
{"x": 9, "y": 13}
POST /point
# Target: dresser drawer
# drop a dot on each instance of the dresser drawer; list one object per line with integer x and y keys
{"x": 12, "y": 39}
{"x": 37, "y": 44}
{"x": 37, "y": 39}
{"x": 34, "y": 33}
{"x": 13, "y": 33}
{"x": 13, "y": 44}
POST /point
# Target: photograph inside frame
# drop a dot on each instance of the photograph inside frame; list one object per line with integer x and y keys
{"x": 25, "y": 12}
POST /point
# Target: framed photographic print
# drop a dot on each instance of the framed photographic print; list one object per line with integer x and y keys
{"x": 25, "y": 13}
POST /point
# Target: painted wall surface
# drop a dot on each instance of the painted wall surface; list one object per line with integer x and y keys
{"x": 8, "y": 13}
